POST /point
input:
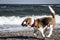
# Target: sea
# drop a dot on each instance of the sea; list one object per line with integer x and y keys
{"x": 12, "y": 15}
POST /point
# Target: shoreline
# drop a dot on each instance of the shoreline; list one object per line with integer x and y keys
{"x": 27, "y": 35}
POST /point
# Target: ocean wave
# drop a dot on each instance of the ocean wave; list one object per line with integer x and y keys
{"x": 16, "y": 20}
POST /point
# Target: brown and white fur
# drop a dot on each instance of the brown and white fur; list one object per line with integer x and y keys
{"x": 28, "y": 22}
{"x": 42, "y": 23}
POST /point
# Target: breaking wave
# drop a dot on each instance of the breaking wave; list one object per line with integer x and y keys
{"x": 16, "y": 20}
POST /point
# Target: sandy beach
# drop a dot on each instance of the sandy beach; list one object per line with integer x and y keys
{"x": 28, "y": 35}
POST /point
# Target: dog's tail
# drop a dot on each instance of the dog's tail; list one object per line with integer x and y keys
{"x": 53, "y": 12}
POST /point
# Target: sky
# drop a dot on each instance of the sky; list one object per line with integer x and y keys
{"x": 29, "y": 1}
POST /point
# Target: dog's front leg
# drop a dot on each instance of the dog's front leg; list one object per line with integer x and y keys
{"x": 51, "y": 29}
{"x": 42, "y": 31}
{"x": 35, "y": 30}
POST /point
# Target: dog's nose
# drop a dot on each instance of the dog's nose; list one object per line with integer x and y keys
{"x": 22, "y": 24}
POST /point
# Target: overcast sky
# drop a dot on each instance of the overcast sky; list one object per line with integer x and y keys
{"x": 29, "y": 1}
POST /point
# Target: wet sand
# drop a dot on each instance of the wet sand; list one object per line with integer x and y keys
{"x": 28, "y": 35}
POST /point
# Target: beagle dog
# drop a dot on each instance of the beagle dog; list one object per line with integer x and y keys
{"x": 42, "y": 23}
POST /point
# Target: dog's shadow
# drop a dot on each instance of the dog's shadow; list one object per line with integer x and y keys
{"x": 23, "y": 37}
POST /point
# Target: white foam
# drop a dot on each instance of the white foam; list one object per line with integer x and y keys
{"x": 13, "y": 20}
{"x": 15, "y": 29}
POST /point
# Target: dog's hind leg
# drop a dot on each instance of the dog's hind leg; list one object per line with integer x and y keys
{"x": 51, "y": 29}
{"x": 45, "y": 29}
{"x": 42, "y": 31}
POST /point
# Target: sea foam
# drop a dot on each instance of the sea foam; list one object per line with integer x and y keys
{"x": 16, "y": 20}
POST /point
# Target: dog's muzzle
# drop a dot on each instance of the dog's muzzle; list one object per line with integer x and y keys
{"x": 24, "y": 24}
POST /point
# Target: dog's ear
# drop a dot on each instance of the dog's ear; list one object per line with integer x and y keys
{"x": 32, "y": 25}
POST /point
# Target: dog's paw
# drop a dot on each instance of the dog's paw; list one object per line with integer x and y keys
{"x": 44, "y": 36}
{"x": 48, "y": 36}
{"x": 35, "y": 34}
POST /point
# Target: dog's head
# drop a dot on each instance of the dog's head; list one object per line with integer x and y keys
{"x": 28, "y": 22}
